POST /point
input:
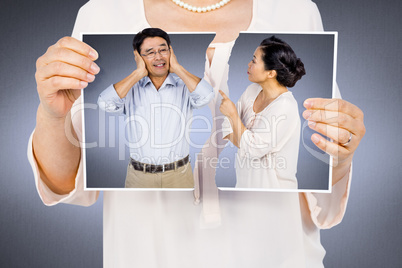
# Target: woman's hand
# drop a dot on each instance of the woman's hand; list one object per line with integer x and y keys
{"x": 66, "y": 68}
{"x": 227, "y": 108}
{"x": 340, "y": 121}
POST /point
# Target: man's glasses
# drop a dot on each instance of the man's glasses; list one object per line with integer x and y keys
{"x": 152, "y": 54}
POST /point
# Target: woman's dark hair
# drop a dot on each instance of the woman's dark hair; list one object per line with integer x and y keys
{"x": 279, "y": 56}
{"x": 149, "y": 32}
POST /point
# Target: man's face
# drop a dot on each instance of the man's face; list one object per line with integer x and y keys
{"x": 156, "y": 55}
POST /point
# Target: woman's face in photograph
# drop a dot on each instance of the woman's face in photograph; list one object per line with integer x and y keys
{"x": 256, "y": 69}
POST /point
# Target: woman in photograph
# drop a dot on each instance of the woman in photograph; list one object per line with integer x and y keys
{"x": 266, "y": 124}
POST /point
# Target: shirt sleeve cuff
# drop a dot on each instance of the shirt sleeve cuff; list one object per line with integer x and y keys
{"x": 245, "y": 142}
{"x": 202, "y": 94}
{"x": 226, "y": 128}
{"x": 328, "y": 209}
{"x": 109, "y": 100}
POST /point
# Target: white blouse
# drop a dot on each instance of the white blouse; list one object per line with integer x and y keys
{"x": 243, "y": 229}
{"x": 268, "y": 149}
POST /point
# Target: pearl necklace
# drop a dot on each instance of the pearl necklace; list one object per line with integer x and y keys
{"x": 200, "y": 9}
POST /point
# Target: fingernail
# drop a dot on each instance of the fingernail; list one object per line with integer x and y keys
{"x": 95, "y": 68}
{"x": 83, "y": 84}
{"x": 307, "y": 114}
{"x": 93, "y": 54}
{"x": 308, "y": 103}
{"x": 90, "y": 77}
{"x": 311, "y": 124}
{"x": 315, "y": 139}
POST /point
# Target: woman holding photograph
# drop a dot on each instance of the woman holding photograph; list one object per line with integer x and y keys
{"x": 165, "y": 229}
{"x": 266, "y": 124}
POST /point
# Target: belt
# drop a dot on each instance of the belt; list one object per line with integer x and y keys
{"x": 158, "y": 168}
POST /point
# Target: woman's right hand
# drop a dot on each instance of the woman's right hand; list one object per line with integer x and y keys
{"x": 66, "y": 68}
{"x": 227, "y": 108}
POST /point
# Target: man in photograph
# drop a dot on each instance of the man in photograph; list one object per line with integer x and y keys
{"x": 157, "y": 98}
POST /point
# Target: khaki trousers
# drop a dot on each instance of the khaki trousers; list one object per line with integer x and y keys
{"x": 182, "y": 177}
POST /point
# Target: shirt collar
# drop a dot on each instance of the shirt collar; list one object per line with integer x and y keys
{"x": 170, "y": 80}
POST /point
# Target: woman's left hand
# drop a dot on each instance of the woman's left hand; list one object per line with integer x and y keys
{"x": 227, "y": 108}
{"x": 340, "y": 121}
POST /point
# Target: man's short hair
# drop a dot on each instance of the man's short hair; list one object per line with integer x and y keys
{"x": 149, "y": 32}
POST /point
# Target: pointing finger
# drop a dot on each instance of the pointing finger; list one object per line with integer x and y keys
{"x": 223, "y": 94}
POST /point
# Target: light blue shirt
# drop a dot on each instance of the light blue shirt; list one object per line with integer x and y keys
{"x": 157, "y": 121}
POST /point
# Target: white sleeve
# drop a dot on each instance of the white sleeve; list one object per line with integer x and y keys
{"x": 328, "y": 209}
{"x": 202, "y": 94}
{"x": 77, "y": 196}
{"x": 315, "y": 18}
{"x": 110, "y": 101}
{"x": 89, "y": 17}
{"x": 300, "y": 16}
{"x": 226, "y": 126}
{"x": 81, "y": 22}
